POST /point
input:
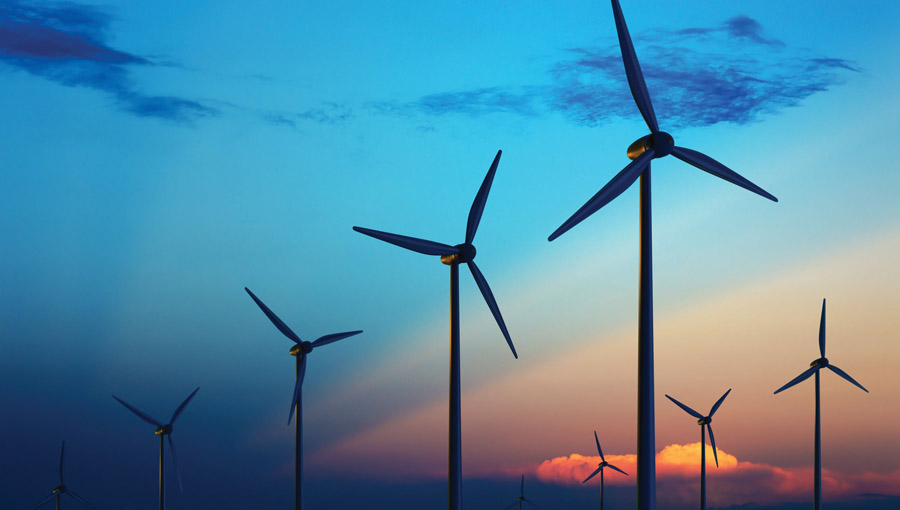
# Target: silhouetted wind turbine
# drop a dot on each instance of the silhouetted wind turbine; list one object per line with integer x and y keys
{"x": 521, "y": 499}
{"x": 61, "y": 489}
{"x": 600, "y": 466}
{"x": 814, "y": 368}
{"x": 704, "y": 420}
{"x": 655, "y": 145}
{"x": 300, "y": 349}
{"x": 453, "y": 256}
{"x": 162, "y": 431}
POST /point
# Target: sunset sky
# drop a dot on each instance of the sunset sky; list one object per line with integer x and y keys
{"x": 158, "y": 157}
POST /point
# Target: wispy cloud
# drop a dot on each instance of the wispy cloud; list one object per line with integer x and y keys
{"x": 696, "y": 76}
{"x": 734, "y": 481}
{"x": 67, "y": 43}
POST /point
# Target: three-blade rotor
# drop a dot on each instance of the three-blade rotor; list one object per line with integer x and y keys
{"x": 461, "y": 253}
{"x": 163, "y": 429}
{"x": 820, "y": 363}
{"x": 301, "y": 349}
{"x": 61, "y": 488}
{"x": 603, "y": 463}
{"x": 705, "y": 420}
{"x": 655, "y": 145}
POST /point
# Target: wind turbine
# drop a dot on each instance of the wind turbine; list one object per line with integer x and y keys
{"x": 163, "y": 431}
{"x": 61, "y": 489}
{"x": 300, "y": 350}
{"x": 814, "y": 368}
{"x": 655, "y": 145}
{"x": 600, "y": 466}
{"x": 704, "y": 420}
{"x": 453, "y": 256}
{"x": 521, "y": 499}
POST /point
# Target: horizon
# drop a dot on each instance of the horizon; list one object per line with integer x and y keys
{"x": 161, "y": 158}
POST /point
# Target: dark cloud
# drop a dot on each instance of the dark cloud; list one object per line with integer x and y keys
{"x": 696, "y": 76}
{"x": 66, "y": 43}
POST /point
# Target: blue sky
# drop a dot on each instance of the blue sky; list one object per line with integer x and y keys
{"x": 158, "y": 158}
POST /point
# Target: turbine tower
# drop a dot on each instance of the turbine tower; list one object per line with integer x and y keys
{"x": 300, "y": 350}
{"x": 814, "y": 368}
{"x": 655, "y": 145}
{"x": 453, "y": 256}
{"x": 61, "y": 489}
{"x": 704, "y": 421}
{"x": 521, "y": 499}
{"x": 600, "y": 466}
{"x": 163, "y": 431}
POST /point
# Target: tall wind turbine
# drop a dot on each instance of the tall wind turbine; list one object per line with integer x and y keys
{"x": 521, "y": 499}
{"x": 163, "y": 431}
{"x": 704, "y": 421}
{"x": 655, "y": 145}
{"x": 300, "y": 350}
{"x": 453, "y": 256}
{"x": 61, "y": 489}
{"x": 600, "y": 466}
{"x": 814, "y": 368}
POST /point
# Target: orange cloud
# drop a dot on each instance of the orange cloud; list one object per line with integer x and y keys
{"x": 733, "y": 482}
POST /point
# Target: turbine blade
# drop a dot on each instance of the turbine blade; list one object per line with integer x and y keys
{"x": 599, "y": 450}
{"x": 141, "y": 414}
{"x": 633, "y": 70}
{"x": 822, "y": 331}
{"x": 592, "y": 475}
{"x": 686, "y": 409}
{"x": 800, "y": 378}
{"x": 62, "y": 455}
{"x": 618, "y": 184}
{"x": 285, "y": 330}
{"x": 334, "y": 337}
{"x": 709, "y": 165}
{"x": 718, "y": 403}
{"x": 410, "y": 243}
{"x": 712, "y": 441}
{"x": 297, "y": 385}
{"x": 175, "y": 461}
{"x": 846, "y": 376}
{"x": 184, "y": 404}
{"x": 43, "y": 501}
{"x": 78, "y": 498}
{"x": 480, "y": 199}
{"x": 617, "y": 469}
{"x": 492, "y": 303}
{"x": 522, "y": 488}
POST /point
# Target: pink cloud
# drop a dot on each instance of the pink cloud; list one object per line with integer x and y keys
{"x": 733, "y": 482}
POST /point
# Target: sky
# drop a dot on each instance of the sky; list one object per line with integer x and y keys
{"x": 159, "y": 157}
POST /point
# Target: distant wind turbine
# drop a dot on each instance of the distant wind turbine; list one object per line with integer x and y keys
{"x": 61, "y": 489}
{"x": 300, "y": 349}
{"x": 521, "y": 499}
{"x": 162, "y": 431}
{"x": 655, "y": 145}
{"x": 704, "y": 421}
{"x": 453, "y": 256}
{"x": 814, "y": 368}
{"x": 600, "y": 466}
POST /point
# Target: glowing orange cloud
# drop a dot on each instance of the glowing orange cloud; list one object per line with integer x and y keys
{"x": 734, "y": 482}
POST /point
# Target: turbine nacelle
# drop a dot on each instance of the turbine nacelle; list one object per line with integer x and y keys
{"x": 603, "y": 464}
{"x": 821, "y": 362}
{"x": 661, "y": 143}
{"x": 704, "y": 421}
{"x": 465, "y": 254}
{"x": 164, "y": 430}
{"x": 301, "y": 348}
{"x": 58, "y": 490}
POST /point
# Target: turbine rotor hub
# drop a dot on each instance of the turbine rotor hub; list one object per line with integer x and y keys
{"x": 164, "y": 430}
{"x": 704, "y": 421}
{"x": 465, "y": 254}
{"x": 301, "y": 348}
{"x": 821, "y": 362}
{"x": 57, "y": 490}
{"x": 661, "y": 143}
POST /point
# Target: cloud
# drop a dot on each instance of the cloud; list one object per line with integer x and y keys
{"x": 696, "y": 76}
{"x": 66, "y": 43}
{"x": 734, "y": 481}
